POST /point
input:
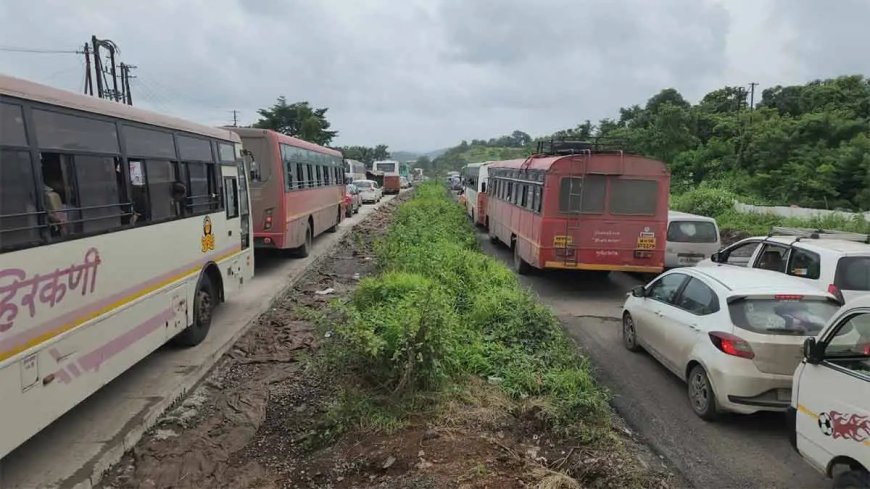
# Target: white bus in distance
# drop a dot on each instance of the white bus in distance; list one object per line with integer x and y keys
{"x": 475, "y": 177}
{"x": 120, "y": 230}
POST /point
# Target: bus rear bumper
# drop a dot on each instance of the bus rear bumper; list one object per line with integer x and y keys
{"x": 269, "y": 241}
{"x": 603, "y": 267}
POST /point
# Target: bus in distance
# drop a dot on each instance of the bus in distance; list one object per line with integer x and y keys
{"x": 475, "y": 178}
{"x": 391, "y": 171}
{"x": 354, "y": 170}
{"x": 296, "y": 189}
{"x": 580, "y": 208}
{"x": 120, "y": 230}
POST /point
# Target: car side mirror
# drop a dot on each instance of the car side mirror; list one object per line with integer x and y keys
{"x": 714, "y": 257}
{"x": 638, "y": 291}
{"x": 812, "y": 353}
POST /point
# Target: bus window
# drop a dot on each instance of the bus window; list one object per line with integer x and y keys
{"x": 633, "y": 197}
{"x": 18, "y": 221}
{"x": 584, "y": 195}
{"x": 12, "y": 122}
{"x": 62, "y": 131}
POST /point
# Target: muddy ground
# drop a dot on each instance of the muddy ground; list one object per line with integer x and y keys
{"x": 258, "y": 420}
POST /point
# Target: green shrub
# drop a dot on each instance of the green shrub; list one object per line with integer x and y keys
{"x": 474, "y": 318}
{"x": 704, "y": 201}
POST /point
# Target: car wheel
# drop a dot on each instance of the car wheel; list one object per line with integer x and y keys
{"x": 852, "y": 479}
{"x": 629, "y": 333}
{"x": 203, "y": 306}
{"x": 349, "y": 211}
{"x": 305, "y": 250}
{"x": 701, "y": 395}
{"x": 520, "y": 265}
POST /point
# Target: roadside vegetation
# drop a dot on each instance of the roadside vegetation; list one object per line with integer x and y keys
{"x": 444, "y": 335}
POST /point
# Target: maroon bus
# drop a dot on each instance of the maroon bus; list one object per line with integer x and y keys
{"x": 584, "y": 210}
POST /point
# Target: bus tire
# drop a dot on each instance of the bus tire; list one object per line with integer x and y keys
{"x": 305, "y": 250}
{"x": 520, "y": 265}
{"x": 203, "y": 306}
{"x": 334, "y": 228}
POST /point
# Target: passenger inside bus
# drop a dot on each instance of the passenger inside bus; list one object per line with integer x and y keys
{"x": 55, "y": 192}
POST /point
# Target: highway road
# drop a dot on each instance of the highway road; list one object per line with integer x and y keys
{"x": 735, "y": 452}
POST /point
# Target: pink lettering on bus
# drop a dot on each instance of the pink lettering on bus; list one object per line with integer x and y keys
{"x": 44, "y": 289}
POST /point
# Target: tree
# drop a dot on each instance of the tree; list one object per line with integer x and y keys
{"x": 298, "y": 119}
{"x": 365, "y": 154}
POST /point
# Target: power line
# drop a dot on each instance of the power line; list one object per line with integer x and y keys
{"x": 15, "y": 49}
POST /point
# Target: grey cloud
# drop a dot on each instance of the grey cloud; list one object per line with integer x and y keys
{"x": 417, "y": 74}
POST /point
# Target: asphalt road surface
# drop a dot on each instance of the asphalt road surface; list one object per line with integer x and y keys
{"x": 735, "y": 452}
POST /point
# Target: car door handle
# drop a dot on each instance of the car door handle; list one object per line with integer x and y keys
{"x": 694, "y": 327}
{"x": 659, "y": 314}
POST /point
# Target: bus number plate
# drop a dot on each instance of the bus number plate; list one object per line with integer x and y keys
{"x": 646, "y": 241}
{"x": 562, "y": 241}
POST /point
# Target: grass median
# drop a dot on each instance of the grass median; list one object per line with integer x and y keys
{"x": 440, "y": 315}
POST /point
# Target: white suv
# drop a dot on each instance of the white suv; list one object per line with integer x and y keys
{"x": 836, "y": 265}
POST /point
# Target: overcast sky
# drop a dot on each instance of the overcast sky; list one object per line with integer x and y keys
{"x": 425, "y": 74}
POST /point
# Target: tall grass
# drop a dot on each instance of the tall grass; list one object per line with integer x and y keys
{"x": 441, "y": 312}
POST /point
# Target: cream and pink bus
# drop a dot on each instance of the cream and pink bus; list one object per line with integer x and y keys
{"x": 120, "y": 230}
{"x": 297, "y": 189}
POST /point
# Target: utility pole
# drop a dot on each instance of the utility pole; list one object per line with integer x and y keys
{"x": 752, "y": 95}
{"x": 89, "y": 82}
{"x": 126, "y": 93}
{"x": 235, "y": 118}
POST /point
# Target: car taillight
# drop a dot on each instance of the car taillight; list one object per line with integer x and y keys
{"x": 788, "y": 297}
{"x": 835, "y": 291}
{"x": 267, "y": 223}
{"x": 731, "y": 345}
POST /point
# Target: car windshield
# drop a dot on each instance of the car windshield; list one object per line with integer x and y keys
{"x": 363, "y": 184}
{"x": 782, "y": 315}
{"x": 853, "y": 273}
{"x": 692, "y": 232}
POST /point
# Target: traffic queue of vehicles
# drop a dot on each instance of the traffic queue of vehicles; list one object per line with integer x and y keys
{"x": 123, "y": 229}
{"x": 770, "y": 323}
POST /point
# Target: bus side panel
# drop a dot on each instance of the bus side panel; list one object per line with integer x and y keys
{"x": 73, "y": 366}
{"x": 319, "y": 204}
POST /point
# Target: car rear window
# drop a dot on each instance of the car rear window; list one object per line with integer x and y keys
{"x": 692, "y": 232}
{"x": 853, "y": 273}
{"x": 363, "y": 184}
{"x": 783, "y": 315}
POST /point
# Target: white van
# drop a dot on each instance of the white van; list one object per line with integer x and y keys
{"x": 830, "y": 405}
{"x": 691, "y": 239}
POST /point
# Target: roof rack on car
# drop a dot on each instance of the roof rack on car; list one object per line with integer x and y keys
{"x": 818, "y": 234}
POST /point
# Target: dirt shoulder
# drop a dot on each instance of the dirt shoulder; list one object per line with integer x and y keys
{"x": 270, "y": 415}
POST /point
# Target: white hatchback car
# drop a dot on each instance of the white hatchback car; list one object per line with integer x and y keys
{"x": 734, "y": 335}
{"x": 838, "y": 266}
{"x": 369, "y": 191}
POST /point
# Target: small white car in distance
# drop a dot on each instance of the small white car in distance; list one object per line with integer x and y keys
{"x": 691, "y": 239}
{"x": 369, "y": 191}
{"x": 830, "y": 408}
{"x": 735, "y": 335}
{"x": 836, "y": 265}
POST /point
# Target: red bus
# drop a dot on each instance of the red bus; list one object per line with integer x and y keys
{"x": 586, "y": 210}
{"x": 297, "y": 189}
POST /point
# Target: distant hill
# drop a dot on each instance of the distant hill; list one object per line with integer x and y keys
{"x": 459, "y": 156}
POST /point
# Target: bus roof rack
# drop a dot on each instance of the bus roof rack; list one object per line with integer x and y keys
{"x": 563, "y": 146}
{"x": 818, "y": 233}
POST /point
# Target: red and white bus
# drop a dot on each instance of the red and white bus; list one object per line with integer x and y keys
{"x": 120, "y": 229}
{"x": 297, "y": 189}
{"x": 392, "y": 181}
{"x": 590, "y": 210}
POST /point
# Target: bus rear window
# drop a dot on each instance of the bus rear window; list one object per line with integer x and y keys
{"x": 585, "y": 195}
{"x": 853, "y": 273}
{"x": 692, "y": 232}
{"x": 803, "y": 316}
{"x": 633, "y": 197}
{"x": 386, "y": 167}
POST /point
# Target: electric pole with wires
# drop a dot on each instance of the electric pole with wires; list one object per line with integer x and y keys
{"x": 106, "y": 72}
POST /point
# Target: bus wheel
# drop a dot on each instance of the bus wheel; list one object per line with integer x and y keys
{"x": 520, "y": 265}
{"x": 203, "y": 306}
{"x": 305, "y": 249}
{"x": 334, "y": 228}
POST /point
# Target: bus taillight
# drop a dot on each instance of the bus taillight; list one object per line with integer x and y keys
{"x": 267, "y": 224}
